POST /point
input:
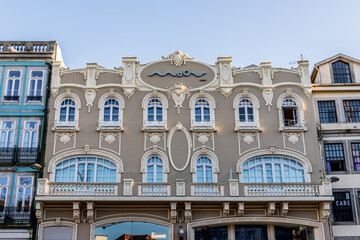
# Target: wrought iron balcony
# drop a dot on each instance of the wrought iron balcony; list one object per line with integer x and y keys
{"x": 19, "y": 156}
{"x": 11, "y": 98}
{"x": 34, "y": 98}
{"x": 15, "y": 215}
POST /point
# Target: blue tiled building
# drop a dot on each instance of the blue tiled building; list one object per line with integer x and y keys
{"x": 25, "y": 68}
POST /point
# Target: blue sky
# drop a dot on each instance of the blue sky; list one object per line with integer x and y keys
{"x": 249, "y": 31}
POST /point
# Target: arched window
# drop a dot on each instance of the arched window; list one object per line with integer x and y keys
{"x": 155, "y": 112}
{"x": 271, "y": 169}
{"x": 202, "y": 112}
{"x": 341, "y": 72}
{"x": 290, "y": 112}
{"x": 154, "y": 170}
{"x": 246, "y": 112}
{"x": 111, "y": 110}
{"x": 204, "y": 170}
{"x": 85, "y": 169}
{"x": 67, "y": 112}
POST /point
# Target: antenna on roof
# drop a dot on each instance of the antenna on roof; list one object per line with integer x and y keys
{"x": 295, "y": 62}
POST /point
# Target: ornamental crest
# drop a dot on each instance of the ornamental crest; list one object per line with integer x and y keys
{"x": 178, "y": 58}
{"x": 179, "y": 92}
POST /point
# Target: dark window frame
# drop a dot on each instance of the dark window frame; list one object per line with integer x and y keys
{"x": 351, "y": 112}
{"x": 341, "y": 72}
{"x": 352, "y": 207}
{"x": 336, "y": 157}
{"x": 322, "y": 111}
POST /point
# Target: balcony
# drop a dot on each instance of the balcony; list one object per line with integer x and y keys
{"x": 19, "y": 156}
{"x": 234, "y": 191}
{"x": 154, "y": 125}
{"x": 282, "y": 190}
{"x": 65, "y": 125}
{"x": 33, "y": 98}
{"x": 203, "y": 126}
{"x": 15, "y": 216}
{"x": 11, "y": 98}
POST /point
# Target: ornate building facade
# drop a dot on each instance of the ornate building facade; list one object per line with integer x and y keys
{"x": 24, "y": 73}
{"x": 336, "y": 87}
{"x": 181, "y": 149}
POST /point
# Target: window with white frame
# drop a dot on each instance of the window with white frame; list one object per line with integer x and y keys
{"x": 202, "y": 112}
{"x": 30, "y": 136}
{"x": 155, "y": 112}
{"x": 13, "y": 86}
{"x": 273, "y": 169}
{"x": 290, "y": 112}
{"x": 24, "y": 193}
{"x": 154, "y": 170}
{"x": 67, "y": 112}
{"x": 85, "y": 169}
{"x": 35, "y": 86}
{"x": 204, "y": 170}
{"x": 111, "y": 113}
{"x": 246, "y": 112}
{"x": 7, "y": 134}
{"x": 4, "y": 181}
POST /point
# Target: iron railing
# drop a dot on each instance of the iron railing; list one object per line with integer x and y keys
{"x": 15, "y": 215}
{"x": 19, "y": 156}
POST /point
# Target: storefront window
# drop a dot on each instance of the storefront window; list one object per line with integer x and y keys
{"x": 131, "y": 230}
{"x": 210, "y": 233}
{"x": 251, "y": 233}
{"x": 298, "y": 233}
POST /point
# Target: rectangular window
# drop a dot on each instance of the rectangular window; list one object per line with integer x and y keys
{"x": 352, "y": 110}
{"x": 3, "y": 192}
{"x": 335, "y": 158}
{"x": 355, "y": 149}
{"x": 31, "y": 132}
{"x": 35, "y": 86}
{"x": 24, "y": 192}
{"x": 7, "y": 132}
{"x": 327, "y": 112}
{"x": 341, "y": 206}
{"x": 12, "y": 86}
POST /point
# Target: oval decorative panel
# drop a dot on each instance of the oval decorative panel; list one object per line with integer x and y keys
{"x": 174, "y": 133}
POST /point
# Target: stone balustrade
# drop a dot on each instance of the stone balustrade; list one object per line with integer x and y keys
{"x": 281, "y": 190}
{"x": 27, "y": 46}
{"x": 154, "y": 189}
{"x": 207, "y": 189}
{"x": 83, "y": 189}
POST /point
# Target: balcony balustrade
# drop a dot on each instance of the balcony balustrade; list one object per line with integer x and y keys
{"x": 154, "y": 189}
{"x": 11, "y": 98}
{"x": 34, "y": 98}
{"x": 19, "y": 156}
{"x": 127, "y": 188}
{"x": 15, "y": 215}
{"x": 282, "y": 190}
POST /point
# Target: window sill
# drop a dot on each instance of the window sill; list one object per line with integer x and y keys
{"x": 247, "y": 129}
{"x": 65, "y": 129}
{"x": 110, "y": 129}
{"x": 293, "y": 129}
{"x": 154, "y": 129}
{"x": 203, "y": 129}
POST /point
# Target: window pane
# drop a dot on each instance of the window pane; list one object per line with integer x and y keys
{"x": 334, "y": 155}
{"x": 38, "y": 74}
{"x": 342, "y": 209}
{"x": 341, "y": 72}
{"x": 352, "y": 110}
{"x": 327, "y": 112}
{"x": 355, "y": 149}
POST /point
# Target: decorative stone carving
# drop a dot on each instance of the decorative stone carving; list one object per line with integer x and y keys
{"x": 65, "y": 137}
{"x": 54, "y": 91}
{"x": 226, "y": 91}
{"x": 268, "y": 97}
{"x": 90, "y": 95}
{"x": 203, "y": 137}
{"x": 248, "y": 137}
{"x": 284, "y": 208}
{"x": 86, "y": 149}
{"x": 155, "y": 138}
{"x": 270, "y": 209}
{"x": 178, "y": 93}
{"x": 39, "y": 211}
{"x": 324, "y": 211}
{"x": 272, "y": 149}
{"x": 178, "y": 58}
{"x": 90, "y": 211}
{"x": 226, "y": 209}
{"x": 128, "y": 185}
{"x": 292, "y": 137}
{"x": 180, "y": 187}
{"x": 173, "y": 213}
{"x": 129, "y": 76}
{"x": 225, "y": 72}
{"x": 234, "y": 187}
{"x": 187, "y": 212}
{"x": 109, "y": 137}
{"x": 179, "y": 127}
{"x": 76, "y": 212}
{"x": 240, "y": 208}
{"x": 129, "y": 92}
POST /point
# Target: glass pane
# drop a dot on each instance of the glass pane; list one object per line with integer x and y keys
{"x": 38, "y": 74}
{"x": 14, "y": 74}
{"x": 32, "y": 88}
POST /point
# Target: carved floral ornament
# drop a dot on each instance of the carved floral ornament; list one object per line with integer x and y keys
{"x": 292, "y": 137}
{"x": 178, "y": 58}
{"x": 178, "y": 93}
{"x": 248, "y": 137}
{"x": 109, "y": 137}
{"x": 65, "y": 137}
